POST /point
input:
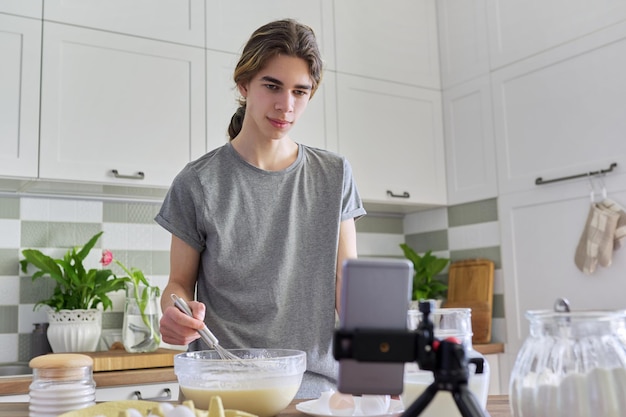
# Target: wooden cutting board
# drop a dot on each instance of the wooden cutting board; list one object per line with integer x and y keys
{"x": 470, "y": 285}
{"x": 118, "y": 360}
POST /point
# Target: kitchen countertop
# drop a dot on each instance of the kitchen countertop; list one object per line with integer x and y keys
{"x": 16, "y": 385}
{"x": 497, "y": 406}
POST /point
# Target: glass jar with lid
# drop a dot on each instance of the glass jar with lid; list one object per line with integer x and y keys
{"x": 571, "y": 364}
{"x": 62, "y": 382}
{"x": 447, "y": 322}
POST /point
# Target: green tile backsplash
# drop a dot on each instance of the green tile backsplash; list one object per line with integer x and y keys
{"x": 129, "y": 212}
{"x": 473, "y": 213}
{"x": 9, "y": 262}
{"x": 9, "y": 208}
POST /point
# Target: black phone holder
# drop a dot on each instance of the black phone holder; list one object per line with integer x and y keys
{"x": 445, "y": 358}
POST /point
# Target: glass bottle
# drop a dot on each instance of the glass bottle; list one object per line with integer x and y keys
{"x": 447, "y": 322}
{"x": 140, "y": 331}
{"x": 571, "y": 364}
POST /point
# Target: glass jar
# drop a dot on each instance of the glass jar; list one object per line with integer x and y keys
{"x": 571, "y": 364}
{"x": 62, "y": 382}
{"x": 447, "y": 322}
{"x": 140, "y": 330}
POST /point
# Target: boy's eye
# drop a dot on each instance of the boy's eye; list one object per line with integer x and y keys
{"x": 300, "y": 93}
{"x": 271, "y": 86}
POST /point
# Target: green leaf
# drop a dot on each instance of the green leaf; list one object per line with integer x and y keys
{"x": 426, "y": 267}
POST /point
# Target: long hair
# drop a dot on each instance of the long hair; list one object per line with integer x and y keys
{"x": 285, "y": 37}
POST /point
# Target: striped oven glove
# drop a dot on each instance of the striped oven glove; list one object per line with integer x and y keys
{"x": 604, "y": 232}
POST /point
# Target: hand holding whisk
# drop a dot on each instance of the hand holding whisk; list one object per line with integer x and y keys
{"x": 205, "y": 333}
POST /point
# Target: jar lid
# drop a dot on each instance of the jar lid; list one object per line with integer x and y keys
{"x": 60, "y": 360}
{"x": 62, "y": 366}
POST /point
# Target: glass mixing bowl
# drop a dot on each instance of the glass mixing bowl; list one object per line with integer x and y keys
{"x": 263, "y": 382}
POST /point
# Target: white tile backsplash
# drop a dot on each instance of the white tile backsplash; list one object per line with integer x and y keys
{"x": 9, "y": 233}
{"x": 426, "y": 221}
{"x": 480, "y": 235}
{"x": 9, "y": 290}
{"x": 8, "y": 347}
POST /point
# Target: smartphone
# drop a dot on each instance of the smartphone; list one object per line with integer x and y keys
{"x": 375, "y": 294}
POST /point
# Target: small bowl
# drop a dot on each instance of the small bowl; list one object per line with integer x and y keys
{"x": 264, "y": 382}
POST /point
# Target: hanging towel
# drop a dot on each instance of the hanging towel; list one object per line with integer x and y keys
{"x": 597, "y": 240}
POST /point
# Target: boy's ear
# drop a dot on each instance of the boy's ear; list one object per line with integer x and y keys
{"x": 243, "y": 90}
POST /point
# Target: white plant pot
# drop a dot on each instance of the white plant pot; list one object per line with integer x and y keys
{"x": 74, "y": 330}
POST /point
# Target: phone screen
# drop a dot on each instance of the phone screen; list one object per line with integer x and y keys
{"x": 375, "y": 294}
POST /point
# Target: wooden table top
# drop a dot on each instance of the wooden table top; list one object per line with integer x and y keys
{"x": 497, "y": 406}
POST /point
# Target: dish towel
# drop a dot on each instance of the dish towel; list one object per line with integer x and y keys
{"x": 597, "y": 241}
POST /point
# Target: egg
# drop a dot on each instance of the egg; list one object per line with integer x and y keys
{"x": 180, "y": 411}
{"x": 341, "y": 404}
{"x": 375, "y": 405}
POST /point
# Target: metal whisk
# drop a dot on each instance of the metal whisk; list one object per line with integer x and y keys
{"x": 205, "y": 333}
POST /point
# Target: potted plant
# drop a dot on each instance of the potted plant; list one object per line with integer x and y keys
{"x": 140, "y": 330}
{"x": 426, "y": 267}
{"x": 78, "y": 299}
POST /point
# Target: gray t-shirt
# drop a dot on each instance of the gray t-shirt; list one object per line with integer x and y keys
{"x": 268, "y": 244}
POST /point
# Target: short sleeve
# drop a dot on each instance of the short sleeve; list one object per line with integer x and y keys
{"x": 181, "y": 211}
{"x": 351, "y": 206}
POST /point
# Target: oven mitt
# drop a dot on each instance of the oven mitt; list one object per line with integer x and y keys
{"x": 620, "y": 229}
{"x": 596, "y": 242}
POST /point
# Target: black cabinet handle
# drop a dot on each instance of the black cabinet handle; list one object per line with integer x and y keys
{"x": 166, "y": 396}
{"x": 138, "y": 176}
{"x": 403, "y": 195}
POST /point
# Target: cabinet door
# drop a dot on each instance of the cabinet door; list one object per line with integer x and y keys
{"x": 394, "y": 41}
{"x": 168, "y": 20}
{"x": 113, "y": 102}
{"x": 222, "y": 96}
{"x": 470, "y": 146}
{"x": 20, "y": 51}
{"x": 392, "y": 136}
{"x": 29, "y": 8}
{"x": 229, "y": 24}
{"x": 166, "y": 391}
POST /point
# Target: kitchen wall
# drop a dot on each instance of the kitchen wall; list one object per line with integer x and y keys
{"x": 54, "y": 224}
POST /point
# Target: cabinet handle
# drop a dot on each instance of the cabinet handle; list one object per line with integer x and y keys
{"x": 167, "y": 396}
{"x": 138, "y": 176}
{"x": 403, "y": 195}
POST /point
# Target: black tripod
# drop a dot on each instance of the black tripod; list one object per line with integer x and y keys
{"x": 445, "y": 358}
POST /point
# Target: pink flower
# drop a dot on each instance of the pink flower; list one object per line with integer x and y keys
{"x": 107, "y": 257}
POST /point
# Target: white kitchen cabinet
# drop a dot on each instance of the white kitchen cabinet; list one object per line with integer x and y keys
{"x": 561, "y": 113}
{"x": 469, "y": 142}
{"x": 162, "y": 391}
{"x": 229, "y": 24}
{"x": 392, "y": 135}
{"x": 520, "y": 29}
{"x": 394, "y": 41}
{"x": 20, "y": 51}
{"x": 27, "y": 8}
{"x": 115, "y": 102}
{"x": 167, "y": 20}
{"x": 463, "y": 42}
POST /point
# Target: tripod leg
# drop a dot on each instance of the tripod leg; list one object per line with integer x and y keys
{"x": 421, "y": 402}
{"x": 467, "y": 403}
